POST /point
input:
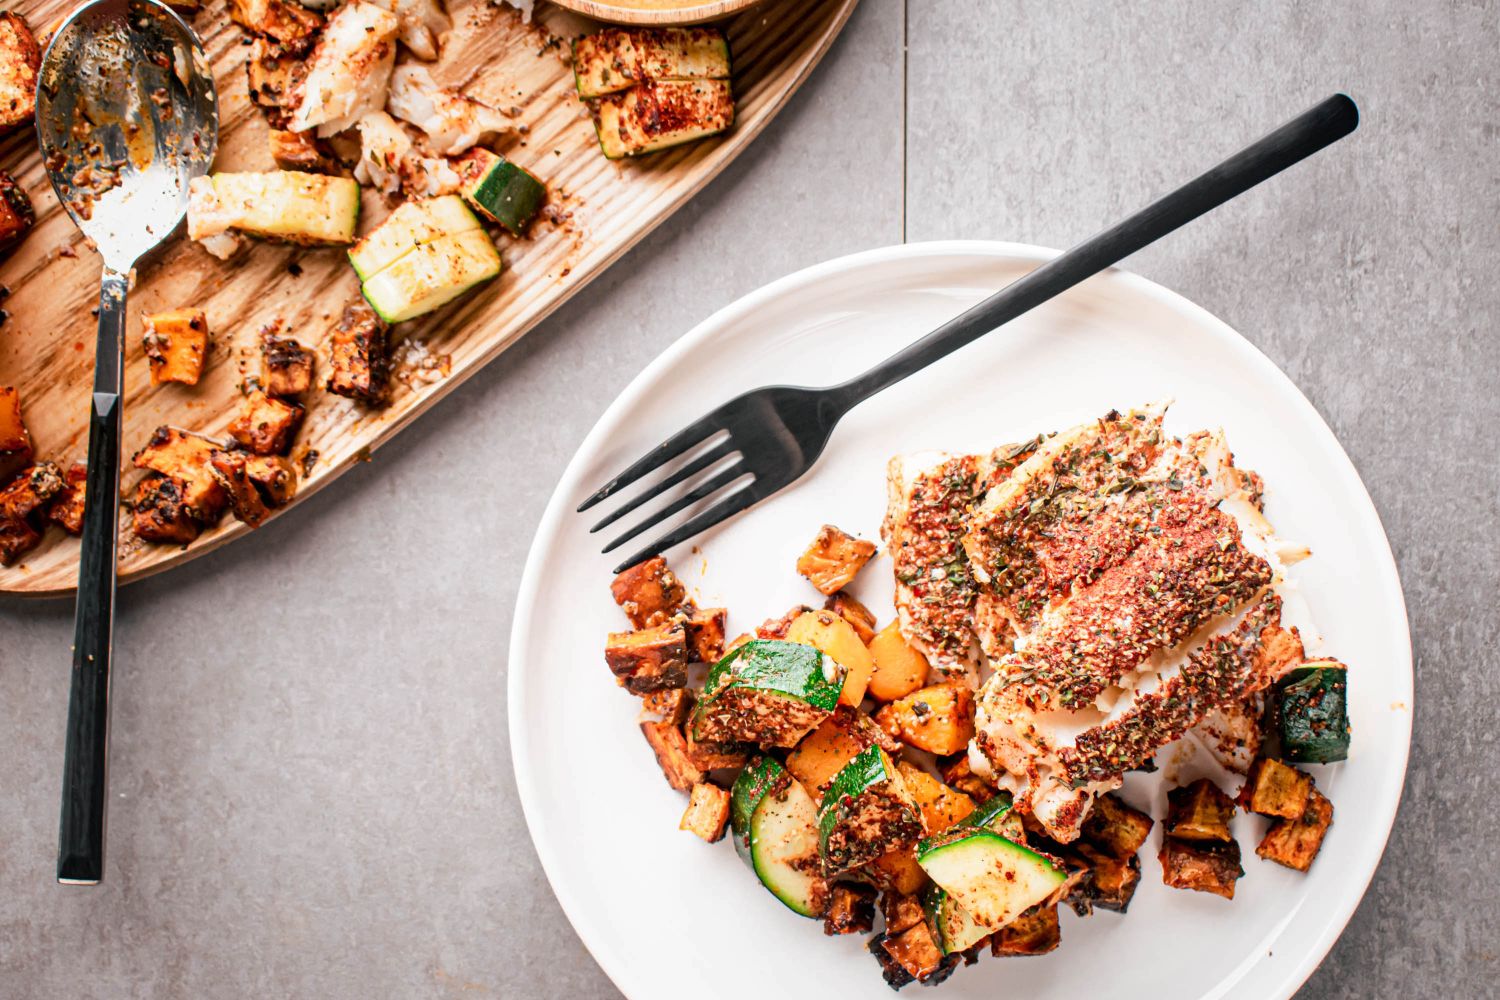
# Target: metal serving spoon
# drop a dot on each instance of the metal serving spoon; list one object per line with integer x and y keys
{"x": 126, "y": 116}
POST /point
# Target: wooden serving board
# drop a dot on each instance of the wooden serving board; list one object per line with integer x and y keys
{"x": 602, "y": 209}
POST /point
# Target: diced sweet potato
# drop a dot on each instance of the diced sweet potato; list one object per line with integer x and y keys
{"x": 1202, "y": 866}
{"x": 823, "y": 752}
{"x": 836, "y": 637}
{"x": 1115, "y": 828}
{"x": 899, "y": 669}
{"x": 649, "y": 659}
{"x": 31, "y": 491}
{"x": 890, "y": 970}
{"x": 851, "y": 909}
{"x": 1199, "y": 812}
{"x": 705, "y": 634}
{"x": 358, "y": 366}
{"x": 245, "y": 501}
{"x": 273, "y": 476}
{"x": 900, "y": 910}
{"x": 12, "y": 462}
{"x": 286, "y": 367}
{"x": 707, "y": 812}
{"x": 670, "y": 747}
{"x": 16, "y": 539}
{"x": 861, "y": 618}
{"x": 13, "y": 433}
{"x": 66, "y": 510}
{"x": 1296, "y": 842}
{"x": 776, "y": 628}
{"x": 916, "y": 950}
{"x": 1276, "y": 789}
{"x": 669, "y": 704}
{"x": 20, "y": 61}
{"x": 290, "y": 24}
{"x": 833, "y": 559}
{"x": 17, "y": 215}
{"x": 176, "y": 342}
{"x": 898, "y": 870}
{"x": 265, "y": 425}
{"x": 300, "y": 151}
{"x": 649, "y": 593}
{"x": 737, "y": 642}
{"x": 1034, "y": 932}
{"x": 938, "y": 719}
{"x": 941, "y": 806}
{"x": 161, "y": 511}
{"x": 184, "y": 457}
{"x": 1110, "y": 882}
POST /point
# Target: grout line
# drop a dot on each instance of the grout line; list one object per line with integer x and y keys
{"x": 905, "y": 98}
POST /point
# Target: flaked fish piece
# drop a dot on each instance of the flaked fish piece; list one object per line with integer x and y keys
{"x": 423, "y": 23}
{"x": 452, "y": 122}
{"x": 348, "y": 72}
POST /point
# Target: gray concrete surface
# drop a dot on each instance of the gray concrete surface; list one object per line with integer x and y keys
{"x": 313, "y": 793}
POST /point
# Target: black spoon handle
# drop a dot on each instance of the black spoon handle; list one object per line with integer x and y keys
{"x": 1298, "y": 139}
{"x": 80, "y": 851}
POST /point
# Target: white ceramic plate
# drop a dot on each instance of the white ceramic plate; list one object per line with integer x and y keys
{"x": 668, "y": 916}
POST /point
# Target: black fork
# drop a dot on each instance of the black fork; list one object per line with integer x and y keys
{"x": 761, "y": 441}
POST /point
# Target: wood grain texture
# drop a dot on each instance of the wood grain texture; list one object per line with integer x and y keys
{"x": 658, "y": 11}
{"x": 603, "y": 207}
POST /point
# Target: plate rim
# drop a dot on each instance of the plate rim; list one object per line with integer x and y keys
{"x": 557, "y": 510}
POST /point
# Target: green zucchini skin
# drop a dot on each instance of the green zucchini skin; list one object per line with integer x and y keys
{"x": 1310, "y": 714}
{"x": 866, "y": 811}
{"x": 501, "y": 191}
{"x": 956, "y": 930}
{"x": 767, "y": 691}
{"x": 991, "y": 877}
{"x": 772, "y": 818}
{"x": 759, "y": 777}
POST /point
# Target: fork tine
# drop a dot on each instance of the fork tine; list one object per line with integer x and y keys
{"x": 663, "y": 453}
{"x": 704, "y": 491}
{"x": 729, "y": 506}
{"x": 681, "y": 475}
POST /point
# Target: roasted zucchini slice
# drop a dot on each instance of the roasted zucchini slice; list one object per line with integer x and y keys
{"x": 617, "y": 59}
{"x": 774, "y": 822}
{"x": 1310, "y": 713}
{"x": 768, "y": 691}
{"x": 661, "y": 114}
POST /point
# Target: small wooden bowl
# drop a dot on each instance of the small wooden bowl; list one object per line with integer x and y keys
{"x": 657, "y": 11}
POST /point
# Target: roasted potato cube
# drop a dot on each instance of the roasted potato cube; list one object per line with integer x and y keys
{"x": 1111, "y": 881}
{"x": 707, "y": 812}
{"x": 940, "y": 805}
{"x": 898, "y": 871}
{"x": 16, "y": 539}
{"x": 13, "y": 433}
{"x": 649, "y": 593}
{"x": 861, "y": 618}
{"x": 900, "y": 910}
{"x": 176, "y": 342}
{"x": 161, "y": 511}
{"x": 29, "y": 492}
{"x": 833, "y": 559}
{"x": 1276, "y": 789}
{"x": 938, "y": 719}
{"x": 851, "y": 909}
{"x": 1115, "y": 828}
{"x": 899, "y": 669}
{"x": 1199, "y": 812}
{"x": 823, "y": 752}
{"x": 273, "y": 476}
{"x": 20, "y": 60}
{"x": 1034, "y": 932}
{"x": 709, "y": 756}
{"x": 668, "y": 704}
{"x": 895, "y": 976}
{"x": 358, "y": 367}
{"x": 286, "y": 367}
{"x": 290, "y": 24}
{"x": 1201, "y": 866}
{"x": 777, "y": 628}
{"x": 833, "y": 635}
{"x": 670, "y": 747}
{"x": 648, "y": 659}
{"x": 245, "y": 501}
{"x": 957, "y": 773}
{"x": 915, "y": 949}
{"x": 265, "y": 424}
{"x": 1295, "y": 842}
{"x": 184, "y": 457}
{"x": 66, "y": 510}
{"x": 300, "y": 151}
{"x": 705, "y": 634}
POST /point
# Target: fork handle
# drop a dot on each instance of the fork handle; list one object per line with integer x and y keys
{"x": 1319, "y": 126}
{"x": 80, "y": 851}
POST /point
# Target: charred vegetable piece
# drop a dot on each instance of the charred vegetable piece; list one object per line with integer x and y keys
{"x": 1310, "y": 713}
{"x": 1115, "y": 828}
{"x": 707, "y": 813}
{"x": 616, "y": 59}
{"x": 649, "y": 659}
{"x": 958, "y": 774}
{"x": 899, "y": 669}
{"x": 273, "y": 476}
{"x": 1276, "y": 789}
{"x": 1110, "y": 883}
{"x": 160, "y": 511}
{"x": 834, "y": 558}
{"x": 16, "y": 213}
{"x": 16, "y": 539}
{"x": 1295, "y": 842}
{"x": 769, "y": 692}
{"x": 1034, "y": 932}
{"x": 500, "y": 190}
{"x": 833, "y": 635}
{"x": 30, "y": 492}
{"x": 286, "y": 367}
{"x": 891, "y": 970}
{"x": 245, "y": 501}
{"x": 851, "y": 909}
{"x": 859, "y": 617}
{"x": 669, "y": 705}
{"x": 866, "y": 811}
{"x": 670, "y": 747}
{"x": 299, "y": 151}
{"x": 1202, "y": 866}
{"x": 993, "y": 878}
{"x": 775, "y": 831}
{"x": 822, "y": 753}
{"x": 717, "y": 756}
{"x": 916, "y": 950}
{"x": 67, "y": 507}
{"x": 705, "y": 634}
{"x": 270, "y": 76}
{"x": 176, "y": 342}
{"x": 14, "y": 436}
{"x": 777, "y": 628}
{"x": 20, "y": 60}
{"x": 648, "y": 593}
{"x": 357, "y": 364}
{"x": 660, "y": 114}
{"x": 938, "y": 719}
{"x": 266, "y": 425}
{"x": 1199, "y": 811}
{"x": 290, "y": 24}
